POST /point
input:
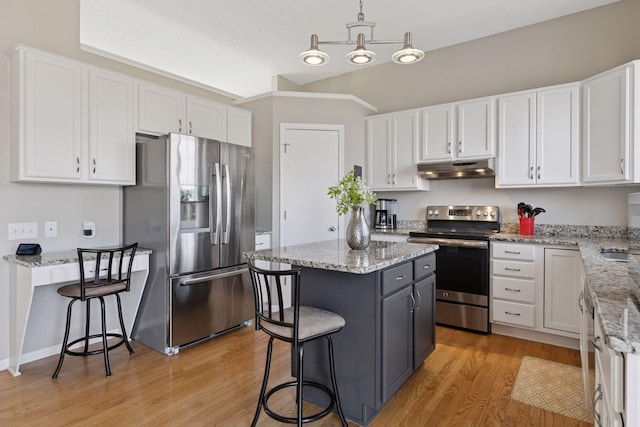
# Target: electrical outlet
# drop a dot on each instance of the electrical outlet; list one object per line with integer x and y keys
{"x": 23, "y": 230}
{"x": 88, "y": 229}
{"x": 50, "y": 229}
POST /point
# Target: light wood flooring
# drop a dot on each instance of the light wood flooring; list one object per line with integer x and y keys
{"x": 466, "y": 381}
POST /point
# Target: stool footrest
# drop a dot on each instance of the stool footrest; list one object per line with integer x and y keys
{"x": 100, "y": 350}
{"x": 293, "y": 420}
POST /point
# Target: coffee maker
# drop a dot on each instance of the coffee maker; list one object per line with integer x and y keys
{"x": 385, "y": 217}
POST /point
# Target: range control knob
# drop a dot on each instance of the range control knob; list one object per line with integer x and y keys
{"x": 436, "y": 212}
{"x": 493, "y": 214}
{"x": 478, "y": 213}
{"x": 486, "y": 214}
{"x": 430, "y": 213}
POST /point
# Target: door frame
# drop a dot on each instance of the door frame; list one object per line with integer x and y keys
{"x": 306, "y": 126}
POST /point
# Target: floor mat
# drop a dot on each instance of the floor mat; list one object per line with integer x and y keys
{"x": 551, "y": 386}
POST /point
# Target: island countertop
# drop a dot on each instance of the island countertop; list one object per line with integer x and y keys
{"x": 336, "y": 255}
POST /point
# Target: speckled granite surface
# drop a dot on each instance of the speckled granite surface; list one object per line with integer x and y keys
{"x": 614, "y": 286}
{"x": 52, "y": 258}
{"x": 336, "y": 255}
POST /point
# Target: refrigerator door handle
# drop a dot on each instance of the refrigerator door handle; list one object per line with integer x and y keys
{"x": 215, "y": 222}
{"x": 227, "y": 178}
{"x": 195, "y": 281}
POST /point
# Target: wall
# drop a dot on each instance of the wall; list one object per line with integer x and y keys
{"x": 52, "y": 26}
{"x": 291, "y": 108}
{"x": 566, "y": 49}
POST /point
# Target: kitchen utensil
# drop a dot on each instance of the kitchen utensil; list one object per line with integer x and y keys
{"x": 537, "y": 211}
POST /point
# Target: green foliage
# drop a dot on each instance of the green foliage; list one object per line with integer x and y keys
{"x": 350, "y": 192}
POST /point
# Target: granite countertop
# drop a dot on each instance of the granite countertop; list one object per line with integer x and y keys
{"x": 52, "y": 258}
{"x": 337, "y": 256}
{"x": 613, "y": 286}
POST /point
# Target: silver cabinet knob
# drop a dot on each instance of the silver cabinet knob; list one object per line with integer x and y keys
{"x": 332, "y": 228}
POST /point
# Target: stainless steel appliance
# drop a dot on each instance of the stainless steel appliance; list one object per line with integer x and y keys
{"x": 462, "y": 281}
{"x": 385, "y": 216}
{"x": 194, "y": 205}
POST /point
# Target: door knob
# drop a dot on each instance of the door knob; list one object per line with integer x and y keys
{"x": 332, "y": 228}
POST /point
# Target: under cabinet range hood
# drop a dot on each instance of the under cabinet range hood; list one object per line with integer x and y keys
{"x": 457, "y": 169}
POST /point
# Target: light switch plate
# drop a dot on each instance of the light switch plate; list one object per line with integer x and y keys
{"x": 23, "y": 230}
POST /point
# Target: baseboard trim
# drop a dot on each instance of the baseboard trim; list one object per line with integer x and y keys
{"x": 537, "y": 336}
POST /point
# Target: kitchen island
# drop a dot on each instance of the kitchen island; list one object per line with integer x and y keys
{"x": 386, "y": 294}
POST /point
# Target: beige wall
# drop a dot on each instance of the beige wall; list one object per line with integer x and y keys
{"x": 558, "y": 51}
{"x": 567, "y": 49}
{"x": 53, "y": 26}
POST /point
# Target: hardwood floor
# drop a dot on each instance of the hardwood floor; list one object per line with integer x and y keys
{"x": 466, "y": 381}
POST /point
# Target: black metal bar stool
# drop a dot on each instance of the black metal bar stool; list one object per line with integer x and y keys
{"x": 107, "y": 274}
{"x": 296, "y": 325}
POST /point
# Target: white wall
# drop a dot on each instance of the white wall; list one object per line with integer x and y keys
{"x": 52, "y": 26}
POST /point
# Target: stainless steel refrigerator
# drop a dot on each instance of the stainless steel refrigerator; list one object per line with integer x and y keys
{"x": 194, "y": 205}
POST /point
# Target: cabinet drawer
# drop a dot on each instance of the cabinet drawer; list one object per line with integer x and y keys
{"x": 397, "y": 277}
{"x": 513, "y": 312}
{"x": 424, "y": 266}
{"x": 513, "y": 251}
{"x": 611, "y": 366}
{"x": 263, "y": 241}
{"x": 522, "y": 290}
{"x": 524, "y": 270}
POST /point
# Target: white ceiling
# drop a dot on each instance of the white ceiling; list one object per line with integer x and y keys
{"x": 237, "y": 46}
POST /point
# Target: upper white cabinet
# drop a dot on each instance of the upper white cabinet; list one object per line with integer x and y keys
{"x": 392, "y": 146}
{"x": 162, "y": 110}
{"x": 538, "y": 141}
{"x": 609, "y": 132}
{"x": 70, "y": 122}
{"x": 462, "y": 130}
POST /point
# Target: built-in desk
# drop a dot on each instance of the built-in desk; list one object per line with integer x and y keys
{"x": 29, "y": 272}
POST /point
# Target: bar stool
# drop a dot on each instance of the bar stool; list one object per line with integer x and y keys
{"x": 107, "y": 274}
{"x": 296, "y": 325}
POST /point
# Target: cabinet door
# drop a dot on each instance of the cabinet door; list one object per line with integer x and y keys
{"x": 476, "y": 129}
{"x": 404, "y": 174}
{"x": 562, "y": 288}
{"x": 557, "y": 136}
{"x": 424, "y": 339}
{"x": 437, "y": 133}
{"x": 516, "y": 140}
{"x": 206, "y": 119}
{"x": 397, "y": 341}
{"x": 379, "y": 152}
{"x": 160, "y": 110}
{"x": 606, "y": 118}
{"x": 111, "y": 132}
{"x": 239, "y": 126}
{"x": 52, "y": 118}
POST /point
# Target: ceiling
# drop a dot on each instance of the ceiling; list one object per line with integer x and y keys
{"x": 236, "y": 47}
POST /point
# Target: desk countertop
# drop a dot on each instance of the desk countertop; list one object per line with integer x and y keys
{"x": 52, "y": 258}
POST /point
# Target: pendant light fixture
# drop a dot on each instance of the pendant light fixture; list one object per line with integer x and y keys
{"x": 361, "y": 55}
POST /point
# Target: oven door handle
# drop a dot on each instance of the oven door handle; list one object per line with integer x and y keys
{"x": 460, "y": 243}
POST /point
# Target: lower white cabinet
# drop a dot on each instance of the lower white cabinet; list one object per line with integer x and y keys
{"x": 536, "y": 288}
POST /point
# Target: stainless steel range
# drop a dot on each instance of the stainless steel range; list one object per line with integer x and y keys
{"x": 462, "y": 279}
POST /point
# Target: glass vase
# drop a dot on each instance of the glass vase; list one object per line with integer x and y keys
{"x": 358, "y": 232}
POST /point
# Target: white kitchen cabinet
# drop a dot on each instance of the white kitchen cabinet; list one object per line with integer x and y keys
{"x": 392, "y": 145}
{"x": 162, "y": 110}
{"x": 538, "y": 142}
{"x": 112, "y": 142}
{"x": 47, "y": 117}
{"x": 462, "y": 130}
{"x": 71, "y": 123}
{"x": 609, "y": 136}
{"x": 562, "y": 287}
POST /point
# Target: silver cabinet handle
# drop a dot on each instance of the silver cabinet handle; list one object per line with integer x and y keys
{"x": 426, "y": 267}
{"x": 190, "y": 127}
{"x": 393, "y": 179}
{"x": 259, "y": 243}
{"x": 332, "y": 228}
{"x": 389, "y": 179}
{"x": 419, "y": 300}
{"x": 596, "y": 343}
{"x": 94, "y": 165}
{"x": 581, "y": 301}
{"x": 597, "y": 396}
{"x": 77, "y": 164}
{"x": 512, "y": 252}
{"x": 179, "y": 125}
{"x": 538, "y": 172}
{"x": 512, "y": 290}
{"x": 449, "y": 147}
{"x": 511, "y": 269}
{"x": 398, "y": 278}
{"x": 531, "y": 172}
{"x": 460, "y": 146}
{"x": 413, "y": 303}
{"x": 511, "y": 314}
{"x": 621, "y": 166}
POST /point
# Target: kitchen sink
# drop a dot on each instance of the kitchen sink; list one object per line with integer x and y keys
{"x": 615, "y": 256}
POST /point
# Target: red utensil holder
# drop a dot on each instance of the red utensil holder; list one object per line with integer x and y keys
{"x": 526, "y": 226}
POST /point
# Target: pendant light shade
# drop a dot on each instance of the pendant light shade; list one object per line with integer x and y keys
{"x": 314, "y": 56}
{"x": 408, "y": 54}
{"x": 361, "y": 55}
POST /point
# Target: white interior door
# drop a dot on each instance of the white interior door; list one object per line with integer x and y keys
{"x": 311, "y": 161}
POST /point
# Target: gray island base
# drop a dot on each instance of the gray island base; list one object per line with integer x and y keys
{"x": 386, "y": 294}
